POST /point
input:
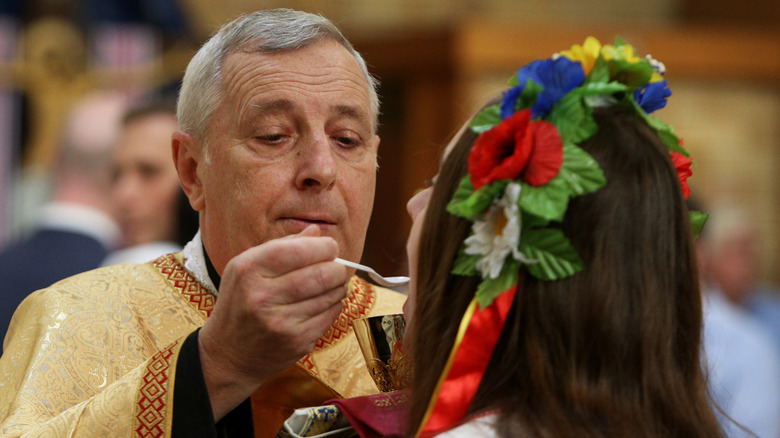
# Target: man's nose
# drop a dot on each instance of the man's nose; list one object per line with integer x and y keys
{"x": 317, "y": 167}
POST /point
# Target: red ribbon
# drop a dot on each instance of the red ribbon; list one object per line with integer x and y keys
{"x": 449, "y": 406}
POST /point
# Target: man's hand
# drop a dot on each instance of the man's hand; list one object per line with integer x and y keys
{"x": 275, "y": 301}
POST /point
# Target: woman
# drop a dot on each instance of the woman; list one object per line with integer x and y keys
{"x": 553, "y": 264}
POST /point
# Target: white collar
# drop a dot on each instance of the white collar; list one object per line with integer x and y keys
{"x": 195, "y": 262}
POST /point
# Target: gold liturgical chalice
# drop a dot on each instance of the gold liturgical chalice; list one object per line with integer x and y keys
{"x": 381, "y": 341}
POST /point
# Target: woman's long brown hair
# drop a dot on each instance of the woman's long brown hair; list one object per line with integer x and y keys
{"x": 613, "y": 351}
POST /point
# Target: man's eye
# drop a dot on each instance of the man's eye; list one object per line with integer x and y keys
{"x": 347, "y": 142}
{"x": 272, "y": 138}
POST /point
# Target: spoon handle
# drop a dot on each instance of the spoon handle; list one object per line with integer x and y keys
{"x": 352, "y": 264}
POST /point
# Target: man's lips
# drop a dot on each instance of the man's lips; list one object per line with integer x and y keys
{"x": 323, "y": 219}
{"x": 299, "y": 223}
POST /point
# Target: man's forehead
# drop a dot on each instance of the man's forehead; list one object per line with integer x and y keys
{"x": 285, "y": 105}
{"x": 321, "y": 61}
{"x": 281, "y": 82}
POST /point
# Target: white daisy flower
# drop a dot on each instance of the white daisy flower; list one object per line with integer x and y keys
{"x": 497, "y": 234}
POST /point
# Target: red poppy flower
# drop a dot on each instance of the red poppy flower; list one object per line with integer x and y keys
{"x": 517, "y": 148}
{"x": 683, "y": 167}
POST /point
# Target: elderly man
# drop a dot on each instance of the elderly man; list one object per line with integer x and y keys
{"x": 277, "y": 152}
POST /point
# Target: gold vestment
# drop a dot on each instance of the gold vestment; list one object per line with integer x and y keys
{"x": 95, "y": 355}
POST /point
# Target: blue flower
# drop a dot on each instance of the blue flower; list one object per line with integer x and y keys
{"x": 652, "y": 96}
{"x": 556, "y": 77}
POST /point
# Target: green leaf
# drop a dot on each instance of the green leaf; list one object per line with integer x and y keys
{"x": 528, "y": 96}
{"x": 490, "y": 288}
{"x": 473, "y": 204}
{"x": 513, "y": 82}
{"x": 465, "y": 264}
{"x": 580, "y": 170}
{"x": 619, "y": 41}
{"x": 600, "y": 72}
{"x": 462, "y": 192}
{"x": 633, "y": 74}
{"x": 531, "y": 221}
{"x": 486, "y": 119}
{"x": 548, "y": 201}
{"x": 664, "y": 131}
{"x": 556, "y": 257}
{"x": 672, "y": 142}
{"x": 697, "y": 221}
{"x": 573, "y": 119}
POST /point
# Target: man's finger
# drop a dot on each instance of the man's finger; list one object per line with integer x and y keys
{"x": 281, "y": 256}
{"x": 310, "y": 282}
{"x": 321, "y": 303}
{"x": 310, "y": 231}
{"x": 318, "y": 324}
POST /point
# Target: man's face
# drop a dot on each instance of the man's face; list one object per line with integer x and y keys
{"x": 146, "y": 185}
{"x": 291, "y": 145}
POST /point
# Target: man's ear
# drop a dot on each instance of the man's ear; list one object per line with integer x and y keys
{"x": 187, "y": 157}
{"x": 376, "y": 150}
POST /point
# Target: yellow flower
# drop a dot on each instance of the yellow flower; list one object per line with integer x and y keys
{"x": 586, "y": 54}
{"x": 624, "y": 52}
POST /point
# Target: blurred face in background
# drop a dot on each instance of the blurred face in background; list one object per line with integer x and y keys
{"x": 146, "y": 184}
{"x": 734, "y": 263}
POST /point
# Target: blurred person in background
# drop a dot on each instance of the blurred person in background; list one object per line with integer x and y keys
{"x": 152, "y": 210}
{"x": 75, "y": 230}
{"x": 732, "y": 250}
{"x": 742, "y": 359}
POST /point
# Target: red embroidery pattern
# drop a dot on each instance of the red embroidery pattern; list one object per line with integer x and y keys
{"x": 357, "y": 305}
{"x": 195, "y": 293}
{"x": 307, "y": 362}
{"x": 150, "y": 407}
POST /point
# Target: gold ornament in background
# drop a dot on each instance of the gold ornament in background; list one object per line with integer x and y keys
{"x": 52, "y": 70}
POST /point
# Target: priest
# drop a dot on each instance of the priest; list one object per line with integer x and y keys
{"x": 276, "y": 149}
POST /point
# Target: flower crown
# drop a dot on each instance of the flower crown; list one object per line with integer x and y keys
{"x": 526, "y": 165}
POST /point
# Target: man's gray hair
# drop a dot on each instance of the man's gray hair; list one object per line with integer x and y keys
{"x": 268, "y": 31}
